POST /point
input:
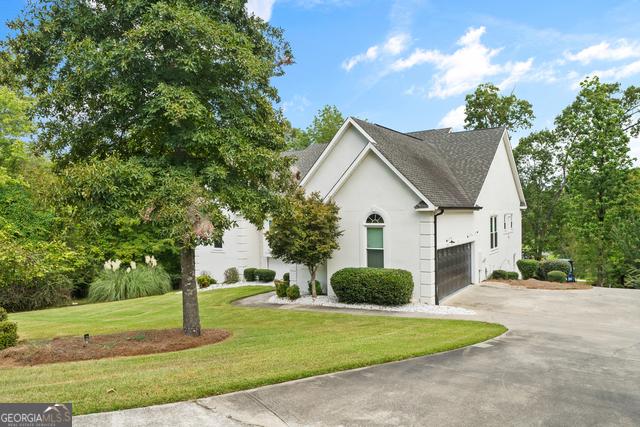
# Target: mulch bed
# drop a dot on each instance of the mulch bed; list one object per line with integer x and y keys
{"x": 541, "y": 284}
{"x": 133, "y": 343}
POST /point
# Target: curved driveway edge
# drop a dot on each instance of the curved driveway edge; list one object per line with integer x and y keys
{"x": 570, "y": 358}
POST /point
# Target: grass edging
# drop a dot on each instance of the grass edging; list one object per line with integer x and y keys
{"x": 268, "y": 346}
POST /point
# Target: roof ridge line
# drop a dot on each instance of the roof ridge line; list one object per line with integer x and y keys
{"x": 397, "y": 131}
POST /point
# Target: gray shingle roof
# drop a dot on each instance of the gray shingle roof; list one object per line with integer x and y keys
{"x": 307, "y": 157}
{"x": 449, "y": 168}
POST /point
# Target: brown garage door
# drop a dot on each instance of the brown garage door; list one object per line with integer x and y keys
{"x": 454, "y": 269}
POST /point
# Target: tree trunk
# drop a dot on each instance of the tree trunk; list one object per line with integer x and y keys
{"x": 314, "y": 294}
{"x": 190, "y": 310}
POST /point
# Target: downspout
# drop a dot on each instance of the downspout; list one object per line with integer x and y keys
{"x": 439, "y": 212}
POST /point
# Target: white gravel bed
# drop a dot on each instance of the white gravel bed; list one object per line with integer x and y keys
{"x": 330, "y": 301}
{"x": 233, "y": 285}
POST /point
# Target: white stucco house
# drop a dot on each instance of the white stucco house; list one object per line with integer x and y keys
{"x": 444, "y": 205}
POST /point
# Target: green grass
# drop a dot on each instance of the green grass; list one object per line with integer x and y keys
{"x": 267, "y": 346}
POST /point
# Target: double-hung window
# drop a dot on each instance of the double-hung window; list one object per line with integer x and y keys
{"x": 375, "y": 241}
{"x": 493, "y": 231}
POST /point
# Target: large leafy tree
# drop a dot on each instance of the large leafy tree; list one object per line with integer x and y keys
{"x": 486, "y": 108}
{"x": 322, "y": 129}
{"x": 596, "y": 128}
{"x": 305, "y": 231}
{"x": 542, "y": 165}
{"x": 180, "y": 86}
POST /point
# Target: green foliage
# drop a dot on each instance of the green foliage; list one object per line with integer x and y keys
{"x": 231, "y": 275}
{"x": 542, "y": 161}
{"x": 503, "y": 274}
{"x": 601, "y": 190}
{"x": 249, "y": 274}
{"x": 528, "y": 267}
{"x": 305, "y": 231}
{"x": 281, "y": 288}
{"x": 33, "y": 274}
{"x": 115, "y": 283}
{"x": 285, "y": 277}
{"x": 15, "y": 126}
{"x": 3, "y": 314}
{"x": 205, "y": 280}
{"x": 383, "y": 286}
{"x": 319, "y": 290}
{"x": 293, "y": 292}
{"x": 557, "y": 276}
{"x": 180, "y": 89}
{"x": 265, "y": 275}
{"x": 486, "y": 108}
{"x": 548, "y": 265}
{"x": 632, "y": 278}
{"x": 8, "y": 334}
{"x": 323, "y": 128}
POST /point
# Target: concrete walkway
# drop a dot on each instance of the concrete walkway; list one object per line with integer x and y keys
{"x": 570, "y": 358}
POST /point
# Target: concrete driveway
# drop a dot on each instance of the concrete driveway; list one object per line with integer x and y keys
{"x": 569, "y": 358}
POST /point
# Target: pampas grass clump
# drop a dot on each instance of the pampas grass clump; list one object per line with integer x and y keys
{"x": 115, "y": 284}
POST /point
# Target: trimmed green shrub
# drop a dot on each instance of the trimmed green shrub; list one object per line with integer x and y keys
{"x": 293, "y": 292}
{"x": 265, "y": 275}
{"x": 549, "y": 265}
{"x": 528, "y": 267}
{"x": 319, "y": 290}
{"x": 231, "y": 275}
{"x": 3, "y": 314}
{"x": 115, "y": 284}
{"x": 498, "y": 274}
{"x": 285, "y": 277}
{"x": 383, "y": 286}
{"x": 557, "y": 276}
{"x": 512, "y": 275}
{"x": 249, "y": 274}
{"x": 8, "y": 334}
{"x": 205, "y": 280}
{"x": 281, "y": 288}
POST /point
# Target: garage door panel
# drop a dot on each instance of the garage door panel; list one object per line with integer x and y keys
{"x": 454, "y": 269}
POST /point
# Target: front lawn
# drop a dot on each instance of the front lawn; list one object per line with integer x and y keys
{"x": 267, "y": 346}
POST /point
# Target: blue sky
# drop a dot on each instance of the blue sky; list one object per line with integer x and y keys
{"x": 408, "y": 64}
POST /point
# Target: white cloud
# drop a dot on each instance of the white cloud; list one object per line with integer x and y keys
{"x": 468, "y": 66}
{"x": 517, "y": 71}
{"x": 393, "y": 46}
{"x": 454, "y": 118}
{"x": 611, "y": 74}
{"x": 298, "y": 103}
{"x": 602, "y": 51}
{"x": 621, "y": 72}
{"x": 260, "y": 8}
{"x": 397, "y": 44}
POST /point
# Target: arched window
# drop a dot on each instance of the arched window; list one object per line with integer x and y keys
{"x": 375, "y": 241}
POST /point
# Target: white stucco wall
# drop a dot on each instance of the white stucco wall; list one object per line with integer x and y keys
{"x": 336, "y": 162}
{"x": 373, "y": 187}
{"x": 241, "y": 248}
{"x": 499, "y": 196}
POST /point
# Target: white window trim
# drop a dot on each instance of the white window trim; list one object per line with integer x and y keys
{"x": 365, "y": 244}
{"x": 491, "y": 233}
{"x": 507, "y": 226}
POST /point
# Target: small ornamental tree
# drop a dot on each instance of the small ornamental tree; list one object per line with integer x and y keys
{"x": 305, "y": 232}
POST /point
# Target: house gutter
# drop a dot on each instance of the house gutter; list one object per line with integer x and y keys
{"x": 438, "y": 212}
